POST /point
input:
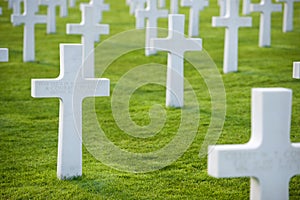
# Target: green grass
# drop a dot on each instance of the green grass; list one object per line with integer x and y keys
{"x": 29, "y": 127}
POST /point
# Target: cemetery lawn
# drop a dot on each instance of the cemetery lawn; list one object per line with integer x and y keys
{"x": 29, "y": 127}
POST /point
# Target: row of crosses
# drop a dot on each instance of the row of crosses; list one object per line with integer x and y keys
{"x": 230, "y": 20}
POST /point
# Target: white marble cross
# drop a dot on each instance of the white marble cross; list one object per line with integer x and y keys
{"x": 176, "y": 44}
{"x": 269, "y": 158}
{"x": 99, "y": 7}
{"x": 152, "y": 14}
{"x": 288, "y": 15}
{"x": 136, "y": 5}
{"x": 29, "y": 19}
{"x": 51, "y": 13}
{"x": 246, "y": 7}
{"x": 232, "y": 22}
{"x": 266, "y": 7}
{"x": 195, "y": 7}
{"x": 222, "y": 5}
{"x": 3, "y": 55}
{"x": 296, "y": 70}
{"x": 89, "y": 30}
{"x": 71, "y": 88}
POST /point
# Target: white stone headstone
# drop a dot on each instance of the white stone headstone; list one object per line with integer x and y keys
{"x": 89, "y": 31}
{"x": 71, "y": 88}
{"x": 72, "y": 3}
{"x": 151, "y": 14}
{"x": 269, "y": 158}
{"x": 29, "y": 19}
{"x": 176, "y": 44}
{"x": 266, "y": 7}
{"x": 288, "y": 14}
{"x": 3, "y": 55}
{"x": 195, "y": 7}
{"x": 222, "y": 5}
{"x": 136, "y": 5}
{"x": 0, "y": 10}
{"x": 232, "y": 21}
{"x": 174, "y": 7}
{"x": 16, "y": 6}
{"x": 162, "y": 3}
{"x": 51, "y": 13}
{"x": 296, "y": 70}
{"x": 246, "y": 7}
{"x": 99, "y": 7}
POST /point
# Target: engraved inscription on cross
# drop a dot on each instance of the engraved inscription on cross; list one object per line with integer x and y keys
{"x": 176, "y": 45}
{"x": 265, "y": 7}
{"x": 90, "y": 30}
{"x": 288, "y": 15}
{"x": 196, "y": 7}
{"x": 232, "y": 22}
{"x": 29, "y": 19}
{"x": 71, "y": 88}
{"x": 269, "y": 158}
{"x": 152, "y": 14}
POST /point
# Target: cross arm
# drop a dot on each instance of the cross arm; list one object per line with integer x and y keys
{"x": 186, "y": 3}
{"x": 230, "y": 160}
{"x": 220, "y": 21}
{"x": 161, "y": 44}
{"x": 105, "y": 7}
{"x": 49, "y": 88}
{"x": 94, "y": 87}
{"x": 74, "y": 28}
{"x": 177, "y": 46}
{"x": 40, "y": 19}
{"x": 17, "y": 19}
{"x": 48, "y": 3}
{"x": 103, "y": 29}
{"x": 227, "y": 22}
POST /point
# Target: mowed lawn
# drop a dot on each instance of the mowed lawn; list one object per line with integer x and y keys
{"x": 29, "y": 127}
